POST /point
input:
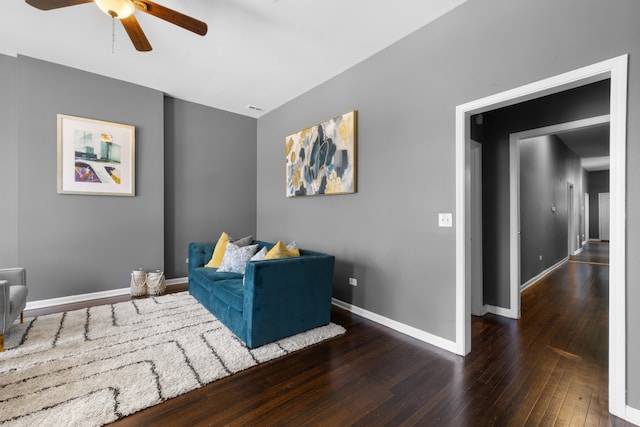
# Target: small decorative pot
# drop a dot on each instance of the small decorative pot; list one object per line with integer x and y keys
{"x": 155, "y": 282}
{"x": 138, "y": 282}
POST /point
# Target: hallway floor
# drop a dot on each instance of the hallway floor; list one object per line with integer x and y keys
{"x": 550, "y": 366}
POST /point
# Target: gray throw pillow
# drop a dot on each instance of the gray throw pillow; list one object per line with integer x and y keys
{"x": 247, "y": 240}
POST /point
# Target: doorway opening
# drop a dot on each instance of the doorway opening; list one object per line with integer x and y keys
{"x": 517, "y": 282}
{"x": 616, "y": 70}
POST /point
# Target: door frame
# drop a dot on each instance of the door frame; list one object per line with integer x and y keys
{"x": 586, "y": 216}
{"x": 478, "y": 308}
{"x": 571, "y": 220}
{"x": 616, "y": 70}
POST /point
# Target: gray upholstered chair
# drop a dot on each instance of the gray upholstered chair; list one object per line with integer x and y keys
{"x": 13, "y": 298}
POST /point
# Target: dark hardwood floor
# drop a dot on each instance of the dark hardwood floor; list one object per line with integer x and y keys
{"x": 596, "y": 253}
{"x": 548, "y": 368}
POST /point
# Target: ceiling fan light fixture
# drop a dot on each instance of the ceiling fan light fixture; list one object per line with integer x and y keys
{"x": 120, "y": 9}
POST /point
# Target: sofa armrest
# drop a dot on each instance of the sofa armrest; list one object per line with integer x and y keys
{"x": 199, "y": 254}
{"x": 286, "y": 296}
{"x": 15, "y": 276}
{"x": 9, "y": 277}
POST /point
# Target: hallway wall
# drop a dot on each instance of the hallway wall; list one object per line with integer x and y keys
{"x": 547, "y": 166}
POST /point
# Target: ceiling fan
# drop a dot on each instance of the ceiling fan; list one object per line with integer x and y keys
{"x": 123, "y": 10}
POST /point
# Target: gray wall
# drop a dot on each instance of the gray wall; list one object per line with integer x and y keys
{"x": 598, "y": 183}
{"x": 8, "y": 164}
{"x": 210, "y": 178}
{"x": 386, "y": 235}
{"x": 195, "y": 177}
{"x": 547, "y": 165}
{"x": 75, "y": 244}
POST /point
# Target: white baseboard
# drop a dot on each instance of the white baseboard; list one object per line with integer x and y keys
{"x": 501, "y": 311}
{"x": 632, "y": 415}
{"x": 512, "y": 313}
{"x": 542, "y": 274}
{"x": 398, "y": 326}
{"x": 484, "y": 310}
{"x": 52, "y": 302}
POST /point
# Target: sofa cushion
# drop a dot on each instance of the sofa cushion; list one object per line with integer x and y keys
{"x": 246, "y": 240}
{"x": 236, "y": 258}
{"x": 281, "y": 251}
{"x": 230, "y": 292}
{"x": 221, "y": 248}
{"x": 218, "y": 252}
{"x": 213, "y": 275}
{"x": 259, "y": 256}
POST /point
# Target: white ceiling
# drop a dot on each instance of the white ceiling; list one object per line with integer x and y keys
{"x": 257, "y": 52}
{"x": 591, "y": 145}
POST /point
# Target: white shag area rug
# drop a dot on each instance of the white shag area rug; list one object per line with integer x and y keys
{"x": 92, "y": 366}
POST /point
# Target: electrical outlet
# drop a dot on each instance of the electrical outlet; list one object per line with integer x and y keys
{"x": 445, "y": 220}
{"x": 353, "y": 281}
{"x": 540, "y": 257}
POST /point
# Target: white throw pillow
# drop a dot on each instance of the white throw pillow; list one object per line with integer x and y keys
{"x": 236, "y": 258}
{"x": 259, "y": 256}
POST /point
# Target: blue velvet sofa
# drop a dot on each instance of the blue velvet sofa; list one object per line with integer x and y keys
{"x": 275, "y": 299}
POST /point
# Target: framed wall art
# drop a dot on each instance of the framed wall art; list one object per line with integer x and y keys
{"x": 95, "y": 157}
{"x": 321, "y": 159}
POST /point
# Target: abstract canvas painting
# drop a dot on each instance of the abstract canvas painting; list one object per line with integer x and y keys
{"x": 95, "y": 157}
{"x": 321, "y": 159}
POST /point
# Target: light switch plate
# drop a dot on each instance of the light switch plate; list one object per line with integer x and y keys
{"x": 445, "y": 220}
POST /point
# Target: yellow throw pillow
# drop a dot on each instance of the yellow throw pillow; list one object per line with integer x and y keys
{"x": 279, "y": 250}
{"x": 218, "y": 252}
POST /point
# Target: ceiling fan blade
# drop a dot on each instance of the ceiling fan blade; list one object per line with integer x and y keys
{"x": 55, "y": 4}
{"x": 136, "y": 34}
{"x": 170, "y": 15}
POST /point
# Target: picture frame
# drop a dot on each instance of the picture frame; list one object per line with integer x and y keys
{"x": 321, "y": 159}
{"x": 95, "y": 157}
